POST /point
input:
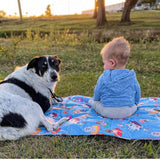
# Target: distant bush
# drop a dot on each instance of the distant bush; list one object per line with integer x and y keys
{"x": 2, "y": 13}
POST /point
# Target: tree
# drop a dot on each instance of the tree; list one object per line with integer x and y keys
{"x": 129, "y": 4}
{"x": 48, "y": 10}
{"x": 20, "y": 11}
{"x": 15, "y": 14}
{"x": 95, "y": 9}
{"x": 26, "y": 14}
{"x": 101, "y": 15}
{"x": 2, "y": 14}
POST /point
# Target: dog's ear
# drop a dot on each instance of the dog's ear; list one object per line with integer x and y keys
{"x": 59, "y": 60}
{"x": 33, "y": 63}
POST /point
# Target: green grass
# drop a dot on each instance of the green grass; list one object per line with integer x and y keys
{"x": 78, "y": 23}
{"x": 79, "y": 147}
{"x": 81, "y": 67}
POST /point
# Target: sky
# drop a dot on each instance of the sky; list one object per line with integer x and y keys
{"x": 58, "y": 7}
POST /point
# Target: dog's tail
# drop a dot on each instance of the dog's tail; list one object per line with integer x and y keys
{"x": 11, "y": 133}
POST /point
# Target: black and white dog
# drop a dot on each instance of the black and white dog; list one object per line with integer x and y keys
{"x": 25, "y": 97}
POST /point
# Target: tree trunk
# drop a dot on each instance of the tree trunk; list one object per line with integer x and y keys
{"x": 20, "y": 11}
{"x": 101, "y": 15}
{"x": 129, "y": 4}
{"x": 95, "y": 9}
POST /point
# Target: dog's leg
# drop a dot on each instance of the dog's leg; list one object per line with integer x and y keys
{"x": 51, "y": 127}
{"x": 60, "y": 122}
{"x": 46, "y": 124}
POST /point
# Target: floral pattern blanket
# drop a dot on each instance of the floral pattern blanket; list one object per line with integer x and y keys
{"x": 144, "y": 124}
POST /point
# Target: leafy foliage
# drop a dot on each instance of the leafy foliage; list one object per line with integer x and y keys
{"x": 2, "y": 14}
{"x": 48, "y": 11}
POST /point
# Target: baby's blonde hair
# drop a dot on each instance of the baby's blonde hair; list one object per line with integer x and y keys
{"x": 118, "y": 49}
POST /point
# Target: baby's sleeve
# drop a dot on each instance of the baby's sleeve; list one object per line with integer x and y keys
{"x": 96, "y": 96}
{"x": 138, "y": 92}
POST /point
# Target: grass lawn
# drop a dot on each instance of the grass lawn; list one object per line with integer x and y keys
{"x": 81, "y": 67}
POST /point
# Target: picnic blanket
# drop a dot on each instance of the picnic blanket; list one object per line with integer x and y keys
{"x": 143, "y": 124}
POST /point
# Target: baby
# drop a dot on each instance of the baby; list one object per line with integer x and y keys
{"x": 117, "y": 92}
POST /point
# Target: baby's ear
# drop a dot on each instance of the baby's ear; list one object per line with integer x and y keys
{"x": 112, "y": 62}
{"x": 33, "y": 63}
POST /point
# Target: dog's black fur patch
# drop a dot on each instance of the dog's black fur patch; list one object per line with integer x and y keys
{"x": 36, "y": 97}
{"x": 13, "y": 120}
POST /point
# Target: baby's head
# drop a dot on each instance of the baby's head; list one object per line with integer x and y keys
{"x": 115, "y": 54}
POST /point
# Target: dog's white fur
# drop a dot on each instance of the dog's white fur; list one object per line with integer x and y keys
{"x": 14, "y": 99}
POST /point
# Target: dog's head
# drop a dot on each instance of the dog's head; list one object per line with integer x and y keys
{"x": 47, "y": 67}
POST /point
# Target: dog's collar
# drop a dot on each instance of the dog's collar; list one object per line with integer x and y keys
{"x": 55, "y": 97}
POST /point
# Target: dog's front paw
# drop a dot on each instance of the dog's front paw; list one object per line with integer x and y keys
{"x": 55, "y": 127}
{"x": 62, "y": 120}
